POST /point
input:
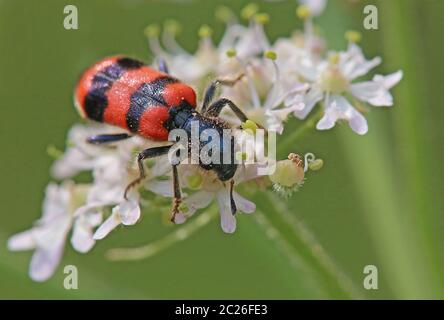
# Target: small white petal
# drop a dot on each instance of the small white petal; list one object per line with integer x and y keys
{"x": 389, "y": 81}
{"x": 376, "y": 92}
{"x": 249, "y": 172}
{"x": 44, "y": 262}
{"x": 71, "y": 163}
{"x": 163, "y": 188}
{"x": 358, "y": 123}
{"x": 308, "y": 67}
{"x": 227, "y": 219}
{"x": 276, "y": 117}
{"x": 361, "y": 69}
{"x": 353, "y": 63}
{"x": 129, "y": 211}
{"x": 106, "y": 194}
{"x": 49, "y": 233}
{"x": 311, "y": 99}
{"x": 316, "y": 6}
{"x": 340, "y": 109}
{"x": 22, "y": 241}
{"x": 82, "y": 156}
{"x": 243, "y": 205}
{"x": 56, "y": 203}
{"x": 161, "y": 167}
{"x": 94, "y": 219}
{"x": 82, "y": 235}
{"x": 180, "y": 218}
{"x": 109, "y": 225}
{"x": 88, "y": 209}
{"x": 328, "y": 121}
{"x": 231, "y": 35}
{"x": 82, "y": 238}
{"x": 199, "y": 200}
{"x": 372, "y": 92}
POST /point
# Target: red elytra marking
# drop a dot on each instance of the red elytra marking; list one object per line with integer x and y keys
{"x": 119, "y": 95}
{"x": 151, "y": 123}
{"x": 175, "y": 93}
{"x": 85, "y": 81}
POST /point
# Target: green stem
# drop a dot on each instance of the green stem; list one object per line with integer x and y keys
{"x": 292, "y": 236}
{"x": 157, "y": 246}
{"x": 403, "y": 45}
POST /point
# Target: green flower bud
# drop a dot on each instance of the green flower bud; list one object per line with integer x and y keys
{"x": 287, "y": 173}
{"x": 316, "y": 164}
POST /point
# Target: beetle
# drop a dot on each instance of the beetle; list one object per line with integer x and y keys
{"x": 125, "y": 92}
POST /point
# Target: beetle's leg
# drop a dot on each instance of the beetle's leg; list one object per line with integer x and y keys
{"x": 177, "y": 195}
{"x": 211, "y": 90}
{"x": 216, "y": 107}
{"x": 232, "y": 202}
{"x": 108, "y": 138}
{"x": 145, "y": 154}
{"x": 162, "y": 65}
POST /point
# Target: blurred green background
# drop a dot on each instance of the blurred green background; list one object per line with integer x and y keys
{"x": 378, "y": 199}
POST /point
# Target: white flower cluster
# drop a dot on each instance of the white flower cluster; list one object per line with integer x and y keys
{"x": 82, "y": 207}
{"x": 91, "y": 211}
{"x": 287, "y": 77}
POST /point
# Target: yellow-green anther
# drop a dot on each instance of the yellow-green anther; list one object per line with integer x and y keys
{"x": 334, "y": 58}
{"x": 151, "y": 31}
{"x": 262, "y": 18}
{"x": 303, "y": 12}
{"x": 205, "y": 31}
{"x": 241, "y": 156}
{"x": 272, "y": 55}
{"x": 316, "y": 164}
{"x": 194, "y": 181}
{"x": 249, "y": 11}
{"x": 173, "y": 26}
{"x": 353, "y": 36}
{"x": 249, "y": 125}
{"x": 223, "y": 14}
{"x": 231, "y": 53}
{"x": 183, "y": 207}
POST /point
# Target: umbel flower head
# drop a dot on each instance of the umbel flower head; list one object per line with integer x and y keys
{"x": 332, "y": 80}
{"x": 275, "y": 81}
{"x": 48, "y": 235}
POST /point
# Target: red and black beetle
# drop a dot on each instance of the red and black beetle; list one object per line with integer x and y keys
{"x": 124, "y": 92}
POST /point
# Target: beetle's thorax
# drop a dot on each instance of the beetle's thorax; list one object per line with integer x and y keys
{"x": 183, "y": 117}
